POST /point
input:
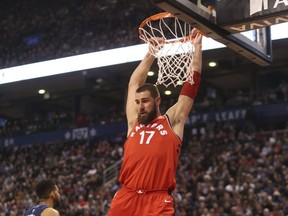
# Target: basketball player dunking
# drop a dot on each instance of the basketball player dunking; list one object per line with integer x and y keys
{"x": 153, "y": 142}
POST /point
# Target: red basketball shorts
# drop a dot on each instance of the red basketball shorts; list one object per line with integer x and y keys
{"x": 127, "y": 202}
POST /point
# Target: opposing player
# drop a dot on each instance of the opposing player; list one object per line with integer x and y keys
{"x": 49, "y": 196}
{"x": 153, "y": 142}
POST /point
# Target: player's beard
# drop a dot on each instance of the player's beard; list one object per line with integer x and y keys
{"x": 148, "y": 117}
{"x": 56, "y": 203}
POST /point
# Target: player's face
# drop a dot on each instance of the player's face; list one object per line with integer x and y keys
{"x": 146, "y": 107}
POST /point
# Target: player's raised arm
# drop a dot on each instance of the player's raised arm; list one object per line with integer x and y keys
{"x": 178, "y": 113}
{"x": 137, "y": 79}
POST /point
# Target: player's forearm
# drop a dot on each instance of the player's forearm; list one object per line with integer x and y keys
{"x": 140, "y": 73}
{"x": 197, "y": 58}
{"x": 190, "y": 88}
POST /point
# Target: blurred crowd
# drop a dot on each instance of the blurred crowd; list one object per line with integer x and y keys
{"x": 222, "y": 171}
{"x": 32, "y": 31}
{"x": 234, "y": 173}
{"x": 76, "y": 167}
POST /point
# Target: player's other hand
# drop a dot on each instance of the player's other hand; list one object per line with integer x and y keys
{"x": 197, "y": 37}
{"x": 156, "y": 44}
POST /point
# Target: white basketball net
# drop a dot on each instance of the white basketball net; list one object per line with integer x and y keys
{"x": 175, "y": 56}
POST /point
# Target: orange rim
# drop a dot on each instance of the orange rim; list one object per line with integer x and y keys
{"x": 156, "y": 17}
{"x": 161, "y": 16}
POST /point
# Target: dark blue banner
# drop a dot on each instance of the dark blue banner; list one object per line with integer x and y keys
{"x": 235, "y": 114}
{"x": 97, "y": 131}
{"x": 271, "y": 113}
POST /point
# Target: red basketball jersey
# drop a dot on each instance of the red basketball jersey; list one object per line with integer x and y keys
{"x": 151, "y": 156}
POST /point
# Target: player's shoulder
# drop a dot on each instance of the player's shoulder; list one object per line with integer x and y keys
{"x": 160, "y": 119}
{"x": 164, "y": 117}
{"x": 50, "y": 212}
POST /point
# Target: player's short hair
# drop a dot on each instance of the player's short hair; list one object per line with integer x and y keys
{"x": 44, "y": 188}
{"x": 149, "y": 87}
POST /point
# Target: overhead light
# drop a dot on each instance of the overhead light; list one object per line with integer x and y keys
{"x": 168, "y": 92}
{"x": 41, "y": 91}
{"x": 151, "y": 73}
{"x": 46, "y": 95}
{"x": 212, "y": 64}
{"x": 99, "y": 80}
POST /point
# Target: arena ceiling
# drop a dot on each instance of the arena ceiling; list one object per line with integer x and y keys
{"x": 107, "y": 86}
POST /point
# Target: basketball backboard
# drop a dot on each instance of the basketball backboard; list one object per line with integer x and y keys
{"x": 253, "y": 43}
